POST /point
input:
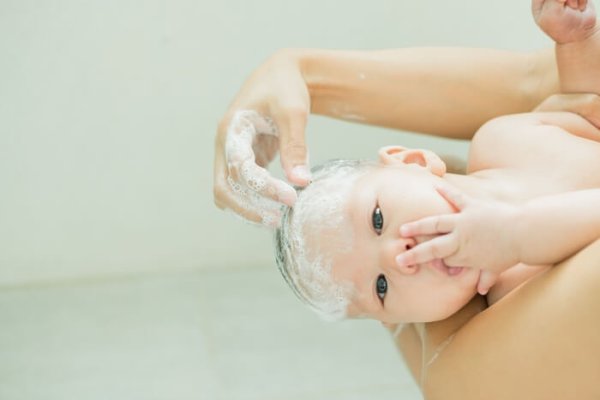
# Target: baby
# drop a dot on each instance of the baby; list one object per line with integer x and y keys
{"x": 401, "y": 240}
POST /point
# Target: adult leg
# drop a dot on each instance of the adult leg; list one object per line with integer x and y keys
{"x": 541, "y": 341}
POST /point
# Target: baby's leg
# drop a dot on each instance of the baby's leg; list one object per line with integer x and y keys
{"x": 577, "y": 38}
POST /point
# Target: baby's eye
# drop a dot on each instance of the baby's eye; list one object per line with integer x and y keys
{"x": 377, "y": 220}
{"x": 381, "y": 287}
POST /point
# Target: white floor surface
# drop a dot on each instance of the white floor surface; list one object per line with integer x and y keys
{"x": 214, "y": 335}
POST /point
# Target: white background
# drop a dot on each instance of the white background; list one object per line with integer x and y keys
{"x": 108, "y": 111}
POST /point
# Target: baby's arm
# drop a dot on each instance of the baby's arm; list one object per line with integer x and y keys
{"x": 551, "y": 228}
{"x": 508, "y": 141}
{"x": 577, "y": 38}
{"x": 495, "y": 236}
{"x": 568, "y": 121}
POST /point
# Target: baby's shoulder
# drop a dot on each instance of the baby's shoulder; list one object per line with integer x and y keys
{"x": 526, "y": 141}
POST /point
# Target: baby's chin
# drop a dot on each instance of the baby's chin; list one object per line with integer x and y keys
{"x": 459, "y": 305}
{"x": 453, "y": 306}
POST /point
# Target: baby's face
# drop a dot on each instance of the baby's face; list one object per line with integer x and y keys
{"x": 380, "y": 202}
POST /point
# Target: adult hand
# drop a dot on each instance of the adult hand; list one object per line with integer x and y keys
{"x": 587, "y": 105}
{"x": 478, "y": 235}
{"x": 565, "y": 21}
{"x": 268, "y": 116}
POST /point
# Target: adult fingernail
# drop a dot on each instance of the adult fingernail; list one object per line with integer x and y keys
{"x": 301, "y": 172}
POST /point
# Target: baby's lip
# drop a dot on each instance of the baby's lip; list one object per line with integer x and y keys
{"x": 438, "y": 263}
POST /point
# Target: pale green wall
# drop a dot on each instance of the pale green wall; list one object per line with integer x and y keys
{"x": 108, "y": 111}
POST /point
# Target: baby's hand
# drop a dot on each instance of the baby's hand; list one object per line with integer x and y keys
{"x": 478, "y": 235}
{"x": 565, "y": 21}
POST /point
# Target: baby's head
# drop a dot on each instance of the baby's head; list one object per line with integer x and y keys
{"x": 336, "y": 247}
{"x": 314, "y": 227}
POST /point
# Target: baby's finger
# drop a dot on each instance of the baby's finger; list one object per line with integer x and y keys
{"x": 453, "y": 196}
{"x": 487, "y": 279}
{"x": 429, "y": 226}
{"x": 439, "y": 247}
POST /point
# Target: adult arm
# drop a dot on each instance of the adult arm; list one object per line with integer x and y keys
{"x": 519, "y": 347}
{"x": 442, "y": 91}
{"x": 402, "y": 89}
{"x": 503, "y": 352}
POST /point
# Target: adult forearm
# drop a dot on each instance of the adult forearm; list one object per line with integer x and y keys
{"x": 551, "y": 228}
{"x": 443, "y": 91}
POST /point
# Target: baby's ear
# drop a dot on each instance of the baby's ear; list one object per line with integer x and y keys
{"x": 395, "y": 155}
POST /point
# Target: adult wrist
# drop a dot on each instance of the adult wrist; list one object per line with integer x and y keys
{"x": 310, "y": 62}
{"x": 304, "y": 59}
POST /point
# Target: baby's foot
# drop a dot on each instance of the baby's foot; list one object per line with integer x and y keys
{"x": 565, "y": 21}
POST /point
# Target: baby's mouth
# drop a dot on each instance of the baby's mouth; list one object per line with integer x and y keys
{"x": 440, "y": 265}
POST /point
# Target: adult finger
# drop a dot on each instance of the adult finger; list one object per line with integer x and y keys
{"x": 223, "y": 196}
{"x": 439, "y": 247}
{"x": 293, "y": 152}
{"x": 437, "y": 224}
{"x": 487, "y": 279}
{"x": 262, "y": 183}
{"x": 234, "y": 200}
{"x": 241, "y": 161}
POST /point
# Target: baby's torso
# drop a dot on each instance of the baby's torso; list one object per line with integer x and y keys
{"x": 530, "y": 163}
{"x": 534, "y": 160}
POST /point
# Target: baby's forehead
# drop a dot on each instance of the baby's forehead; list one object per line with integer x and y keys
{"x": 324, "y": 206}
{"x": 328, "y": 232}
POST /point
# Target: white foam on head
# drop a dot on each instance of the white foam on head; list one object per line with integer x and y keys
{"x": 314, "y": 232}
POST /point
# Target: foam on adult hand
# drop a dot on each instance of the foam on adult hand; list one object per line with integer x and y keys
{"x": 248, "y": 181}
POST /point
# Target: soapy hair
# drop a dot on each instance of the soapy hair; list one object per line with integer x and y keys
{"x": 319, "y": 216}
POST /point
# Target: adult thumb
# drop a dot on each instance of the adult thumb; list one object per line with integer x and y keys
{"x": 293, "y": 151}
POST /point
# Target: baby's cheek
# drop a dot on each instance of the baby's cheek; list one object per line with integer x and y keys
{"x": 457, "y": 300}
